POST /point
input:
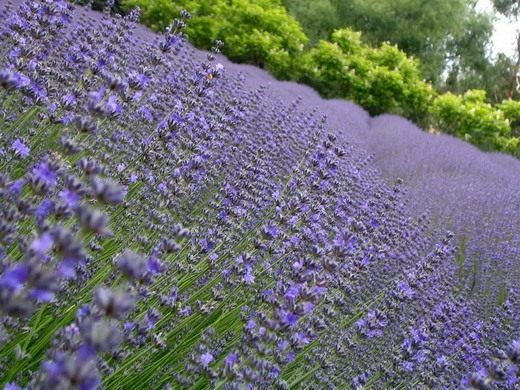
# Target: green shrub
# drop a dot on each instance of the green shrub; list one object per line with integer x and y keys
{"x": 381, "y": 79}
{"x": 469, "y": 117}
{"x": 259, "y": 32}
{"x": 511, "y": 110}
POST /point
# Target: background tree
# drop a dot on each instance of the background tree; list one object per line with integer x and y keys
{"x": 511, "y": 9}
{"x": 318, "y": 18}
{"x": 446, "y": 36}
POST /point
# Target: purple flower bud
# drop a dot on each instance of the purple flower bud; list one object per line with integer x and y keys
{"x": 108, "y": 191}
{"x": 133, "y": 265}
{"x": 44, "y": 209}
{"x": 12, "y": 386}
{"x": 42, "y": 244}
{"x": 15, "y": 277}
{"x": 83, "y": 311}
{"x": 19, "y": 148}
{"x": 71, "y": 370}
{"x": 93, "y": 220}
{"x": 114, "y": 304}
{"x": 231, "y": 359}
{"x": 206, "y": 359}
{"x": 46, "y": 174}
{"x": 155, "y": 266}
{"x": 152, "y": 317}
{"x": 292, "y": 293}
{"x": 288, "y": 318}
{"x": 70, "y": 198}
{"x": 17, "y": 187}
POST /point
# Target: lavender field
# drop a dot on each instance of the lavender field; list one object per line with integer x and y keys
{"x": 170, "y": 220}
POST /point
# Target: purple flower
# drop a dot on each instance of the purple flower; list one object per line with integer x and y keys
{"x": 301, "y": 338}
{"x": 67, "y": 268}
{"x": 13, "y": 80}
{"x": 44, "y": 208}
{"x": 152, "y": 317}
{"x": 513, "y": 352}
{"x": 128, "y": 326}
{"x": 17, "y": 186}
{"x": 12, "y": 386}
{"x": 185, "y": 311}
{"x": 68, "y": 100}
{"x": 42, "y": 294}
{"x": 207, "y": 245}
{"x": 133, "y": 265}
{"x": 206, "y": 359}
{"x": 292, "y": 293}
{"x": 283, "y": 345}
{"x": 112, "y": 106}
{"x": 408, "y": 366}
{"x": 69, "y": 197}
{"x": 270, "y": 230}
{"x": 405, "y": 289}
{"x": 162, "y": 187}
{"x": 71, "y": 370}
{"x": 108, "y": 191}
{"x": 19, "y": 147}
{"x": 83, "y": 311}
{"x": 288, "y": 318}
{"x": 42, "y": 244}
{"x": 231, "y": 359}
{"x": 308, "y": 307}
{"x": 155, "y": 266}
{"x": 319, "y": 290}
{"x": 249, "y": 278}
{"x": 45, "y": 173}
{"x": 114, "y": 304}
{"x": 103, "y": 335}
{"x": 14, "y": 278}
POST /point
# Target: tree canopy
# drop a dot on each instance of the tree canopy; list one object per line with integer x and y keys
{"x": 446, "y": 36}
{"x": 509, "y": 8}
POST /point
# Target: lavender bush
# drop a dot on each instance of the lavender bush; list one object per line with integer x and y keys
{"x": 172, "y": 220}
